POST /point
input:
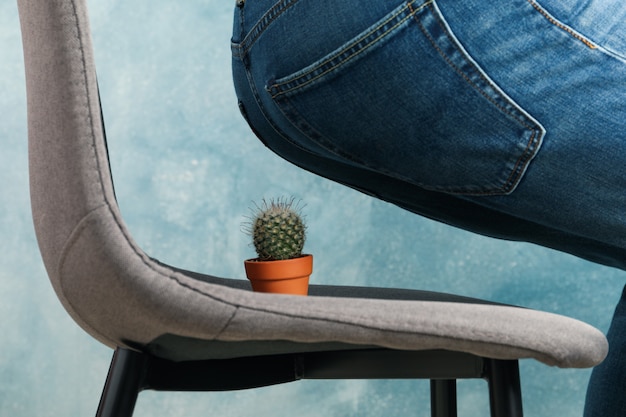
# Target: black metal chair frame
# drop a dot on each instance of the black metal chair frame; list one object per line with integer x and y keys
{"x": 132, "y": 372}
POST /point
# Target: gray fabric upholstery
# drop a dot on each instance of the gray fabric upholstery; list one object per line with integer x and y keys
{"x": 122, "y": 297}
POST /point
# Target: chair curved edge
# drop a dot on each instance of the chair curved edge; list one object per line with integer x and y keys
{"x": 135, "y": 298}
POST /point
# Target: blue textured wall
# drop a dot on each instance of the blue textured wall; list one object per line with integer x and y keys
{"x": 186, "y": 170}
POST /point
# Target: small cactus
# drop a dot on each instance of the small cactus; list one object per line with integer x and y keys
{"x": 278, "y": 230}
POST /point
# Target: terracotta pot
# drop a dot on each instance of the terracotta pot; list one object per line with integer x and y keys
{"x": 290, "y": 276}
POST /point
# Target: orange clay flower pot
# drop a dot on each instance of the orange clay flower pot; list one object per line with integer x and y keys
{"x": 289, "y": 276}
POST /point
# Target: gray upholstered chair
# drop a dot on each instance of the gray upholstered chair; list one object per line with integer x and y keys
{"x": 178, "y": 330}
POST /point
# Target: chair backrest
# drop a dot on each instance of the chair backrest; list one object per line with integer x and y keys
{"x": 69, "y": 173}
{"x": 96, "y": 269}
{"x": 68, "y": 164}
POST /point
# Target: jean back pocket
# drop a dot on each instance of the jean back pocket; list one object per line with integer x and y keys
{"x": 404, "y": 98}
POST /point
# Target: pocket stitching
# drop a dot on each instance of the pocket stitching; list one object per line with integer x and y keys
{"x": 262, "y": 24}
{"x": 561, "y": 25}
{"x": 336, "y": 58}
{"x": 477, "y": 81}
{"x": 476, "y": 70}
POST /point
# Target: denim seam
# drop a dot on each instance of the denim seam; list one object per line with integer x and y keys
{"x": 347, "y": 52}
{"x": 459, "y": 71}
{"x": 578, "y": 36}
{"x": 562, "y": 26}
{"x": 257, "y": 30}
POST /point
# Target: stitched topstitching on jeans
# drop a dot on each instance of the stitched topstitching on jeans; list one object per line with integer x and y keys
{"x": 346, "y": 52}
{"x": 271, "y": 15}
{"x": 519, "y": 117}
{"x": 562, "y": 26}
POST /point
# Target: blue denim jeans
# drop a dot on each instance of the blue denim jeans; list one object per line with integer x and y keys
{"x": 502, "y": 117}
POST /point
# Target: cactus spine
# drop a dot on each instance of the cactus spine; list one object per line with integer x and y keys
{"x": 278, "y": 230}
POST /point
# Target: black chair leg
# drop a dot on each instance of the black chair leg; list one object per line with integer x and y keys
{"x": 124, "y": 382}
{"x": 443, "y": 398}
{"x": 128, "y": 376}
{"x": 505, "y": 392}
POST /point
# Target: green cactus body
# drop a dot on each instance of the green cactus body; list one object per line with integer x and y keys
{"x": 278, "y": 231}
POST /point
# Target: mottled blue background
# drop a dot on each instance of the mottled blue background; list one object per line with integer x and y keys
{"x": 187, "y": 170}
